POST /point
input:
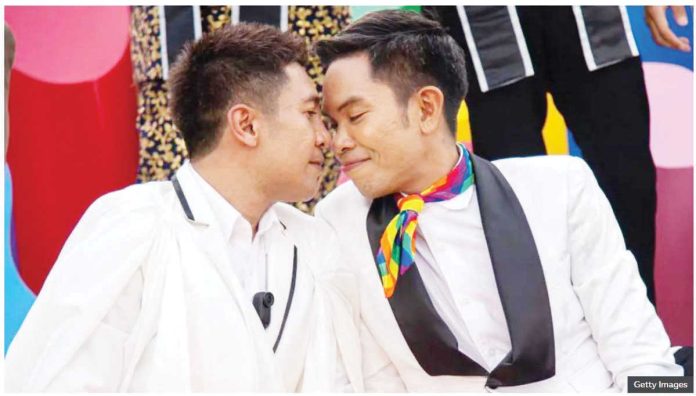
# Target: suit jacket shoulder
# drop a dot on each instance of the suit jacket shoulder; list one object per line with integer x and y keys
{"x": 546, "y": 185}
{"x": 343, "y": 205}
{"x": 145, "y": 199}
{"x": 539, "y": 169}
{"x": 299, "y": 226}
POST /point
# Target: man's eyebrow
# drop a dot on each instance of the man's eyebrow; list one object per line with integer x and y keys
{"x": 348, "y": 102}
{"x": 313, "y": 98}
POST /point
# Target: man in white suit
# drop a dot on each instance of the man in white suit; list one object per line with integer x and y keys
{"x": 207, "y": 282}
{"x": 507, "y": 276}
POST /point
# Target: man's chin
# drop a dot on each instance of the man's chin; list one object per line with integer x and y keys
{"x": 370, "y": 190}
{"x": 304, "y": 196}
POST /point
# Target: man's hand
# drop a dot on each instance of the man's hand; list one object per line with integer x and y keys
{"x": 656, "y": 19}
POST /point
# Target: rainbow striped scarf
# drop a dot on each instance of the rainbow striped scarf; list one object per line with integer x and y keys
{"x": 398, "y": 243}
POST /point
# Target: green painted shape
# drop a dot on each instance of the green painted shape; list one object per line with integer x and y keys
{"x": 356, "y": 12}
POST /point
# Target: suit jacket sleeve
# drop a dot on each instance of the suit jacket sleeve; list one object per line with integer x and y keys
{"x": 344, "y": 298}
{"x": 630, "y": 337}
{"x": 73, "y": 337}
{"x": 379, "y": 373}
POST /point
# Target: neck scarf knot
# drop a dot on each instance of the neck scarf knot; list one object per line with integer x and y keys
{"x": 398, "y": 243}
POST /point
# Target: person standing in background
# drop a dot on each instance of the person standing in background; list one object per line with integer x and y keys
{"x": 587, "y": 59}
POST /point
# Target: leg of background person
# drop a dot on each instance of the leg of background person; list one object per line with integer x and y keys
{"x": 608, "y": 112}
{"x": 507, "y": 121}
{"x": 685, "y": 358}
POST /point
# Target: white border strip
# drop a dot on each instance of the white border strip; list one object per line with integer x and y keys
{"x": 584, "y": 40}
{"x": 234, "y": 18}
{"x": 521, "y": 43}
{"x": 284, "y": 18}
{"x": 475, "y": 59}
{"x": 629, "y": 32}
{"x": 163, "y": 42}
{"x": 197, "y": 23}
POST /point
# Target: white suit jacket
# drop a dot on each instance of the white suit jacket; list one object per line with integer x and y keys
{"x": 604, "y": 327}
{"x": 194, "y": 329}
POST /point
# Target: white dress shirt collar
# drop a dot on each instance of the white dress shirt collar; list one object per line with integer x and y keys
{"x": 462, "y": 200}
{"x": 229, "y": 218}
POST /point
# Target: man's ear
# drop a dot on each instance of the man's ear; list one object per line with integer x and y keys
{"x": 431, "y": 107}
{"x": 242, "y": 122}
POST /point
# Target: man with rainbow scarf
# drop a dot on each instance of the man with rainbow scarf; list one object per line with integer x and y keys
{"x": 509, "y": 275}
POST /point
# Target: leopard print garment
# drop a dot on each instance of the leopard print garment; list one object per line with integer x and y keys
{"x": 314, "y": 23}
{"x": 162, "y": 149}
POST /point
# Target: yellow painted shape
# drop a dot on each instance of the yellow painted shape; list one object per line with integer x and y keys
{"x": 463, "y": 126}
{"x": 555, "y": 132}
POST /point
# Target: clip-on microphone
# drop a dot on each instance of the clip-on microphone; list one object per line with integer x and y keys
{"x": 263, "y": 301}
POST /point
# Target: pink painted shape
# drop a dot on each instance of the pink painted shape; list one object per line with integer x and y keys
{"x": 342, "y": 178}
{"x": 68, "y": 44}
{"x": 674, "y": 253}
{"x": 671, "y": 114}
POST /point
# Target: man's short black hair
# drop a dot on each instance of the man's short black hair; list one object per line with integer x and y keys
{"x": 407, "y": 51}
{"x": 243, "y": 63}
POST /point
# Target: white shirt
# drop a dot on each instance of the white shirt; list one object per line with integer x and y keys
{"x": 458, "y": 275}
{"x": 249, "y": 252}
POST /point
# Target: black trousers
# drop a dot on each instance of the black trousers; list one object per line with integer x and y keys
{"x": 606, "y": 110}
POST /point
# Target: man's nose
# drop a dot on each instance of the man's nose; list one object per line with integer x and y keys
{"x": 341, "y": 141}
{"x": 323, "y": 137}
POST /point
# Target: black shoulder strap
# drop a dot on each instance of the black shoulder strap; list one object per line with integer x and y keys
{"x": 290, "y": 296}
{"x": 182, "y": 198}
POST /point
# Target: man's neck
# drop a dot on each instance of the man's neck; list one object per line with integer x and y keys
{"x": 237, "y": 185}
{"x": 436, "y": 163}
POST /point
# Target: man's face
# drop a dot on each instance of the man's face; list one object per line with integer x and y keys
{"x": 293, "y": 140}
{"x": 376, "y": 136}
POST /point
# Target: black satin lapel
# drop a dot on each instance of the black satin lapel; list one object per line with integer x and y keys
{"x": 520, "y": 280}
{"x": 431, "y": 341}
{"x": 381, "y": 212}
